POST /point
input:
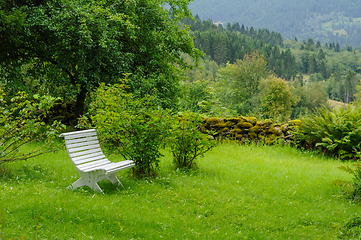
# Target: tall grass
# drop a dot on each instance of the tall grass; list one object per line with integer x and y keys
{"x": 238, "y": 192}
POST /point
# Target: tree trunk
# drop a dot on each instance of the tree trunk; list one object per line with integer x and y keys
{"x": 80, "y": 100}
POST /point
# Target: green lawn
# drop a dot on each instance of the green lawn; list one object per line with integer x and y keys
{"x": 239, "y": 192}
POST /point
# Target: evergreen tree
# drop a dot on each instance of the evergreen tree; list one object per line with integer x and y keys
{"x": 350, "y": 84}
{"x": 236, "y": 27}
{"x": 229, "y": 27}
{"x": 310, "y": 44}
{"x": 322, "y": 69}
{"x": 321, "y": 54}
{"x": 221, "y": 48}
{"x": 312, "y": 64}
{"x": 305, "y": 62}
{"x": 318, "y": 44}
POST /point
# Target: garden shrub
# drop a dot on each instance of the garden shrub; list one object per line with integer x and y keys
{"x": 351, "y": 229}
{"x": 336, "y": 133}
{"x": 136, "y": 127}
{"x": 187, "y": 142}
{"x": 355, "y": 171}
{"x": 21, "y": 122}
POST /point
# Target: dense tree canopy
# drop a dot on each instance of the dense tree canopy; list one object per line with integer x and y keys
{"x": 238, "y": 83}
{"x": 231, "y": 43}
{"x": 73, "y": 45}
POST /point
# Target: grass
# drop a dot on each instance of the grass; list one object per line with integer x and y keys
{"x": 336, "y": 104}
{"x": 239, "y": 192}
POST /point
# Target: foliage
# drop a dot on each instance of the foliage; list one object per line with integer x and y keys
{"x": 199, "y": 97}
{"x": 358, "y": 94}
{"x": 22, "y": 122}
{"x": 76, "y": 45}
{"x": 136, "y": 127}
{"x": 238, "y": 83}
{"x": 187, "y": 142}
{"x": 311, "y": 95}
{"x": 232, "y": 43}
{"x": 337, "y": 132}
{"x": 355, "y": 171}
{"x": 276, "y": 98}
{"x": 352, "y": 227}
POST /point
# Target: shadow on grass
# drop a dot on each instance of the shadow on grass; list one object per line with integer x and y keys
{"x": 34, "y": 172}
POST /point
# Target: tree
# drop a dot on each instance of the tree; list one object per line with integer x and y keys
{"x": 321, "y": 55}
{"x": 12, "y": 21}
{"x": 79, "y": 44}
{"x": 318, "y": 44}
{"x": 310, "y": 44}
{"x": 276, "y": 98}
{"x": 305, "y": 62}
{"x": 350, "y": 83}
{"x": 238, "y": 83}
{"x": 312, "y": 64}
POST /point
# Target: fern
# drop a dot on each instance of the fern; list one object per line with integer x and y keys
{"x": 355, "y": 171}
{"x": 337, "y": 133}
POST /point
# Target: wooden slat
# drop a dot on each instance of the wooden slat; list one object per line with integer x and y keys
{"x": 117, "y": 165}
{"x": 77, "y": 132}
{"x": 89, "y": 159}
{"x": 80, "y": 135}
{"x": 93, "y": 165}
{"x": 79, "y": 140}
{"x": 80, "y": 144}
{"x": 119, "y": 168}
{"x": 82, "y": 149}
{"x": 71, "y": 155}
{"x": 96, "y": 154}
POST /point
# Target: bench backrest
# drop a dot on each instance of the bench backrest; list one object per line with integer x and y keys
{"x": 83, "y": 147}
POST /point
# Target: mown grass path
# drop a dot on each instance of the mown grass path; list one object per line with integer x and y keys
{"x": 239, "y": 192}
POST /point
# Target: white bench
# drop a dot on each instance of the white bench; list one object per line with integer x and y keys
{"x": 85, "y": 152}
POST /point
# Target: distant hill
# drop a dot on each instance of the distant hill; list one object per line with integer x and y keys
{"x": 324, "y": 20}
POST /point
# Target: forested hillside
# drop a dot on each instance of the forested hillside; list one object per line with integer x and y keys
{"x": 315, "y": 71}
{"x": 324, "y": 20}
{"x": 234, "y": 41}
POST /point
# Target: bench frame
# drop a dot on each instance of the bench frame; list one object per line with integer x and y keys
{"x": 93, "y": 166}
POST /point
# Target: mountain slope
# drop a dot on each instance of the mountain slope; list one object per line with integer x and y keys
{"x": 324, "y": 20}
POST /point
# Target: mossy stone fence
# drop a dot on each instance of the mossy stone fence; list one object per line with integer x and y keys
{"x": 247, "y": 129}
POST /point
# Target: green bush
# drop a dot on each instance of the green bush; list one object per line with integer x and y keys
{"x": 336, "y": 133}
{"x": 136, "y": 127}
{"x": 355, "y": 194}
{"x": 21, "y": 122}
{"x": 187, "y": 142}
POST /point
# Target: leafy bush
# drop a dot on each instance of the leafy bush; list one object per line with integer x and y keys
{"x": 276, "y": 98}
{"x": 136, "y": 127}
{"x": 186, "y": 140}
{"x": 336, "y": 133}
{"x": 22, "y": 121}
{"x": 355, "y": 194}
{"x": 351, "y": 229}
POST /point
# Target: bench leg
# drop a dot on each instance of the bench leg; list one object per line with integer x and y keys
{"x": 96, "y": 188}
{"x": 78, "y": 183}
{"x": 113, "y": 178}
